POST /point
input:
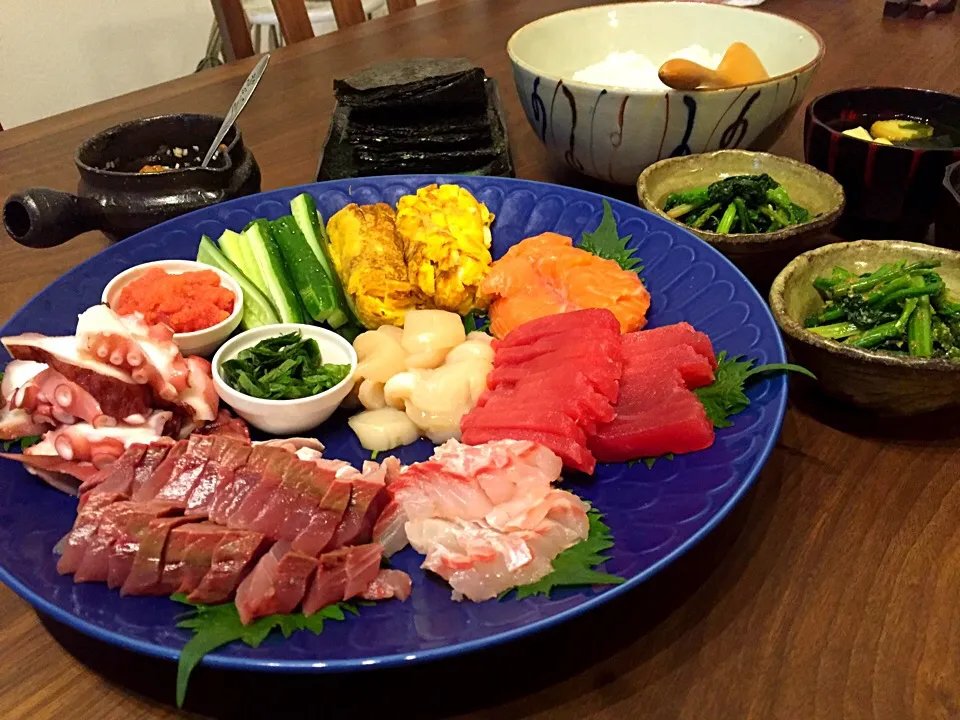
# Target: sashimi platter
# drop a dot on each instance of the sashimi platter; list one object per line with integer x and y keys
{"x": 376, "y": 422}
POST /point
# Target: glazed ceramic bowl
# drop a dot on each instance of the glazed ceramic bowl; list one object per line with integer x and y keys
{"x": 612, "y": 132}
{"x": 886, "y": 383}
{"x": 200, "y": 342}
{"x": 948, "y": 210}
{"x": 287, "y": 417}
{"x": 891, "y": 191}
{"x": 759, "y": 255}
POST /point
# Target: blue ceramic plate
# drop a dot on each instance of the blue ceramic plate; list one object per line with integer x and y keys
{"x": 655, "y": 514}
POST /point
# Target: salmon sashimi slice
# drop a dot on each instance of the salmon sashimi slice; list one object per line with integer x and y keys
{"x": 667, "y": 336}
{"x": 546, "y": 275}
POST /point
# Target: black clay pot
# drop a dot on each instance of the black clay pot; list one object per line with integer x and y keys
{"x": 891, "y": 190}
{"x": 118, "y": 199}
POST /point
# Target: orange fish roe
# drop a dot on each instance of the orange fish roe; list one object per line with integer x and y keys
{"x": 186, "y": 302}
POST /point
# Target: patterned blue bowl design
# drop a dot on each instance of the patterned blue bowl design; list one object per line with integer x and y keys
{"x": 656, "y": 514}
{"x": 612, "y": 132}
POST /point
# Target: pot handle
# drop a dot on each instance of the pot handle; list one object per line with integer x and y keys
{"x": 43, "y": 218}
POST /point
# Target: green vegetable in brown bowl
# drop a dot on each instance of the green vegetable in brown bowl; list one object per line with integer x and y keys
{"x": 286, "y": 367}
{"x": 737, "y": 204}
{"x": 902, "y": 307}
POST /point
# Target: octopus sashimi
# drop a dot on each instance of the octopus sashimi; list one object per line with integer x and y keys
{"x": 546, "y": 275}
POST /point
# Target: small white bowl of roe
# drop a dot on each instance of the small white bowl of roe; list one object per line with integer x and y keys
{"x": 190, "y": 305}
{"x": 287, "y": 417}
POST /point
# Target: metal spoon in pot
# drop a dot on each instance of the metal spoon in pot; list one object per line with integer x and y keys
{"x": 249, "y": 85}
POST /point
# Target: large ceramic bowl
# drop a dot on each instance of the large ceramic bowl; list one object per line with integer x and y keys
{"x": 759, "y": 255}
{"x": 611, "y": 132}
{"x": 891, "y": 191}
{"x": 883, "y": 382}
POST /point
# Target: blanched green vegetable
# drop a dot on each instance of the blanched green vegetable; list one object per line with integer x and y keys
{"x": 900, "y": 307}
{"x": 737, "y": 204}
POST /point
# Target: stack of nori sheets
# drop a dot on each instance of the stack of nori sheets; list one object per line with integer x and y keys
{"x": 416, "y": 116}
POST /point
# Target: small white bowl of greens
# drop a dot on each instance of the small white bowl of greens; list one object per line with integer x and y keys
{"x": 285, "y": 379}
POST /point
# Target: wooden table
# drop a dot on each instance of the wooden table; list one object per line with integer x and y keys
{"x": 830, "y": 592}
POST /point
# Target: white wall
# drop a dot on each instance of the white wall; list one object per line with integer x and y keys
{"x": 56, "y": 55}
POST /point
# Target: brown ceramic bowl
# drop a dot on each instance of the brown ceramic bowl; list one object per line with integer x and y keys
{"x": 759, "y": 255}
{"x": 886, "y": 383}
{"x": 947, "y": 226}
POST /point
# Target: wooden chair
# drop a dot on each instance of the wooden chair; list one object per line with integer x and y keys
{"x": 293, "y": 18}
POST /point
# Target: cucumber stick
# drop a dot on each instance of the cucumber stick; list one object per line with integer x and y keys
{"x": 237, "y": 249}
{"x": 257, "y": 308}
{"x": 316, "y": 290}
{"x": 304, "y": 209}
{"x": 280, "y": 288}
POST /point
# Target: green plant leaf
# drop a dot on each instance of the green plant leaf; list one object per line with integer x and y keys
{"x": 217, "y": 625}
{"x": 475, "y": 321}
{"x": 606, "y": 242}
{"x": 576, "y": 566}
{"x": 725, "y": 396}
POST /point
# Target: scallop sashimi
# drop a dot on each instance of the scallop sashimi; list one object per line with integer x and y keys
{"x": 546, "y": 275}
{"x": 486, "y": 517}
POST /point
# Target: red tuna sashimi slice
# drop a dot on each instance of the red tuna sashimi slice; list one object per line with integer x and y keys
{"x": 186, "y": 474}
{"x": 603, "y": 381}
{"x": 203, "y": 493}
{"x": 178, "y": 560}
{"x": 151, "y": 485}
{"x": 114, "y": 523}
{"x": 367, "y": 500}
{"x": 144, "y": 575}
{"x": 342, "y": 574}
{"x": 591, "y": 320}
{"x": 233, "y": 557}
{"x": 302, "y": 488}
{"x": 503, "y": 419}
{"x": 199, "y": 556}
{"x": 83, "y": 531}
{"x": 254, "y": 502}
{"x": 680, "y": 427}
{"x": 276, "y": 584}
{"x": 389, "y": 584}
{"x": 653, "y": 389}
{"x": 117, "y": 477}
{"x": 693, "y": 367}
{"x": 682, "y": 333}
{"x": 561, "y": 348}
{"x": 324, "y": 519}
{"x": 225, "y": 451}
{"x": 138, "y": 517}
{"x": 152, "y": 458}
{"x": 231, "y": 495}
{"x": 574, "y": 455}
